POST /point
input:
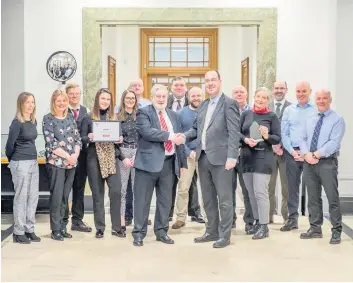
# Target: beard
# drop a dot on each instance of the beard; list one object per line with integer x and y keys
{"x": 193, "y": 105}
{"x": 279, "y": 95}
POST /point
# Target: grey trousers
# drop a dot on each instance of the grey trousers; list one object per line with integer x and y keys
{"x": 125, "y": 175}
{"x": 257, "y": 186}
{"x": 280, "y": 166}
{"x": 25, "y": 177}
{"x": 323, "y": 174}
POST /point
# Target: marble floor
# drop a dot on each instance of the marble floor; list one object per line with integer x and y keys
{"x": 281, "y": 257}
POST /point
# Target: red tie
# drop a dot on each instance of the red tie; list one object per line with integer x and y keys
{"x": 167, "y": 145}
{"x": 75, "y": 113}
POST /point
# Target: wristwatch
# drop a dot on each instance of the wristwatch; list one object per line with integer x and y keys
{"x": 314, "y": 156}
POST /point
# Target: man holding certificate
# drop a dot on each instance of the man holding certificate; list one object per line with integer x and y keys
{"x": 158, "y": 156}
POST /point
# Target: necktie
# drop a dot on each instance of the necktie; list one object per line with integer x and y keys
{"x": 75, "y": 111}
{"x": 315, "y": 138}
{"x": 179, "y": 105}
{"x": 167, "y": 145}
{"x": 208, "y": 117}
{"x": 278, "y": 109}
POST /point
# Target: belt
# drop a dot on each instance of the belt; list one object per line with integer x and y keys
{"x": 167, "y": 157}
{"x": 296, "y": 148}
{"x": 133, "y": 146}
{"x": 332, "y": 156}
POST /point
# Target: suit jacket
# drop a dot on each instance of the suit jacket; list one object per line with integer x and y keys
{"x": 285, "y": 105}
{"x": 171, "y": 100}
{"x": 222, "y": 135}
{"x": 83, "y": 111}
{"x": 150, "y": 153}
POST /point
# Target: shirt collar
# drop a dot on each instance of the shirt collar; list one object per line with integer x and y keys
{"x": 326, "y": 113}
{"x": 246, "y": 107}
{"x": 71, "y": 108}
{"x": 216, "y": 98}
{"x": 276, "y": 101}
{"x": 176, "y": 99}
{"x": 306, "y": 105}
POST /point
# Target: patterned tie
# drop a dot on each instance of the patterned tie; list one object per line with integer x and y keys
{"x": 179, "y": 105}
{"x": 75, "y": 114}
{"x": 315, "y": 139}
{"x": 167, "y": 145}
{"x": 278, "y": 109}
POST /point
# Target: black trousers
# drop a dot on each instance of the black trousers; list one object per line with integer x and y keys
{"x": 60, "y": 183}
{"x": 217, "y": 191}
{"x": 78, "y": 191}
{"x": 145, "y": 182}
{"x": 248, "y": 216}
{"x": 193, "y": 204}
{"x": 96, "y": 183}
{"x": 323, "y": 174}
{"x": 129, "y": 208}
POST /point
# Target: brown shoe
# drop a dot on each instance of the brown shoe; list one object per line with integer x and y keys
{"x": 178, "y": 224}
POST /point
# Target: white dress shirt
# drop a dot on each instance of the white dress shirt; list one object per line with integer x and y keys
{"x": 275, "y": 106}
{"x": 170, "y": 130}
{"x": 175, "y": 102}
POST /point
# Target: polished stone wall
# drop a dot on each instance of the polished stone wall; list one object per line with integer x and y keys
{"x": 94, "y": 18}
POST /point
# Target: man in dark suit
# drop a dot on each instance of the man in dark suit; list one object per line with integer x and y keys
{"x": 78, "y": 187}
{"x": 158, "y": 156}
{"x": 216, "y": 129}
{"x": 178, "y": 99}
{"x": 278, "y": 105}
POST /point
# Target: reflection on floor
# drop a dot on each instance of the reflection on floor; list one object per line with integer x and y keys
{"x": 282, "y": 257}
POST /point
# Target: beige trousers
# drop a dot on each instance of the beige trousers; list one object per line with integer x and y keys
{"x": 182, "y": 197}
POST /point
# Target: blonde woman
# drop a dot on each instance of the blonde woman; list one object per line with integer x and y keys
{"x": 22, "y": 154}
{"x": 62, "y": 146}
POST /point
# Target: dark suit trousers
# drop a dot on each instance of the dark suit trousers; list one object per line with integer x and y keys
{"x": 294, "y": 171}
{"x": 129, "y": 208}
{"x": 60, "y": 183}
{"x": 217, "y": 182}
{"x": 193, "y": 204}
{"x": 145, "y": 182}
{"x": 247, "y": 217}
{"x": 78, "y": 191}
{"x": 96, "y": 183}
{"x": 323, "y": 174}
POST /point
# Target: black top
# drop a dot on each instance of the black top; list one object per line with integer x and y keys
{"x": 259, "y": 159}
{"x": 21, "y": 141}
{"x": 60, "y": 133}
{"x": 128, "y": 130}
{"x": 86, "y": 128}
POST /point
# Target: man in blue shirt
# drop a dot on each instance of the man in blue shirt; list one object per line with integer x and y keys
{"x": 187, "y": 116}
{"x": 320, "y": 144}
{"x": 293, "y": 120}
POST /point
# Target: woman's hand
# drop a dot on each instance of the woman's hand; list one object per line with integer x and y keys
{"x": 127, "y": 163}
{"x": 251, "y": 142}
{"x": 90, "y": 136}
{"x": 264, "y": 132}
{"x": 120, "y": 140}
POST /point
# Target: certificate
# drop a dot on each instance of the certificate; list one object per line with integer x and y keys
{"x": 106, "y": 131}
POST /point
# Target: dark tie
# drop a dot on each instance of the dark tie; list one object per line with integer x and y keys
{"x": 167, "y": 145}
{"x": 315, "y": 138}
{"x": 278, "y": 109}
{"x": 179, "y": 105}
{"x": 75, "y": 111}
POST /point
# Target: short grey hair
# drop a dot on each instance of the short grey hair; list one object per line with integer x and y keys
{"x": 267, "y": 91}
{"x": 325, "y": 91}
{"x": 157, "y": 87}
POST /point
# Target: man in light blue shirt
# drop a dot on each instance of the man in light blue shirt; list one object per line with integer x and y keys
{"x": 320, "y": 143}
{"x": 293, "y": 120}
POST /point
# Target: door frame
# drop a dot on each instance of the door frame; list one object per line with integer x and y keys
{"x": 112, "y": 61}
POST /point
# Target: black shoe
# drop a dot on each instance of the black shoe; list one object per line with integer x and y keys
{"x": 165, "y": 239}
{"x": 221, "y": 243}
{"x": 262, "y": 232}
{"x": 65, "y": 234}
{"x": 138, "y": 242}
{"x": 120, "y": 234}
{"x": 336, "y": 238}
{"x": 123, "y": 228}
{"x": 128, "y": 221}
{"x": 234, "y": 224}
{"x": 197, "y": 219}
{"x": 99, "y": 234}
{"x": 206, "y": 238}
{"x": 248, "y": 227}
{"x": 253, "y": 228}
{"x": 311, "y": 233}
{"x": 21, "y": 239}
{"x": 57, "y": 236}
{"x": 289, "y": 225}
{"x": 149, "y": 222}
{"x": 33, "y": 237}
{"x": 81, "y": 227}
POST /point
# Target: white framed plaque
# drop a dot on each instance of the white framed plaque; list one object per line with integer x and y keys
{"x": 105, "y": 131}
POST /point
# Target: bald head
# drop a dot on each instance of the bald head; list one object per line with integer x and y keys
{"x": 240, "y": 95}
{"x": 137, "y": 87}
{"x": 195, "y": 96}
{"x": 279, "y": 90}
{"x": 303, "y": 92}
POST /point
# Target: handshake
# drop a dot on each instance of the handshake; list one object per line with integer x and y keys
{"x": 179, "y": 139}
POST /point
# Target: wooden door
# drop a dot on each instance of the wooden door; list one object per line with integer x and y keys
{"x": 112, "y": 77}
{"x": 245, "y": 74}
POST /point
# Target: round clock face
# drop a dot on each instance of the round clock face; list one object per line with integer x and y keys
{"x": 61, "y": 66}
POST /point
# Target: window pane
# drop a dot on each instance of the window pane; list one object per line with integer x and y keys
{"x": 178, "y": 64}
{"x": 151, "y": 52}
{"x": 162, "y": 39}
{"x": 151, "y": 39}
{"x": 205, "y": 55}
{"x": 206, "y": 39}
{"x": 178, "y": 52}
{"x": 162, "y": 64}
{"x": 163, "y": 80}
{"x": 162, "y": 52}
{"x": 198, "y": 39}
{"x": 205, "y": 64}
{"x": 151, "y": 64}
{"x": 178, "y": 39}
{"x": 194, "y": 80}
{"x": 195, "y": 64}
{"x": 195, "y": 52}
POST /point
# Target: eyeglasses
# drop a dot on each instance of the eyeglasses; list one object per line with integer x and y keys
{"x": 212, "y": 80}
{"x": 130, "y": 98}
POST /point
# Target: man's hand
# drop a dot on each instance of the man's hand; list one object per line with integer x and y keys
{"x": 182, "y": 172}
{"x": 310, "y": 159}
{"x": 277, "y": 149}
{"x": 251, "y": 142}
{"x": 192, "y": 155}
{"x": 297, "y": 156}
{"x": 230, "y": 164}
{"x": 127, "y": 163}
{"x": 317, "y": 154}
{"x": 179, "y": 139}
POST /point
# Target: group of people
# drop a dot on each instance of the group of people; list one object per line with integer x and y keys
{"x": 175, "y": 144}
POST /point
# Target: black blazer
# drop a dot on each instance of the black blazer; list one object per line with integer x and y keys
{"x": 150, "y": 153}
{"x": 171, "y": 100}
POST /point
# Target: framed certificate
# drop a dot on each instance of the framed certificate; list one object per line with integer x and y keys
{"x": 105, "y": 131}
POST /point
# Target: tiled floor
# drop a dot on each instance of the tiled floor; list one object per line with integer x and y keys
{"x": 281, "y": 257}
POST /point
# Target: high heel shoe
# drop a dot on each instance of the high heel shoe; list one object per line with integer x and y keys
{"x": 261, "y": 233}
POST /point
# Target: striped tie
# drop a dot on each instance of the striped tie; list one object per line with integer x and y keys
{"x": 315, "y": 139}
{"x": 167, "y": 145}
